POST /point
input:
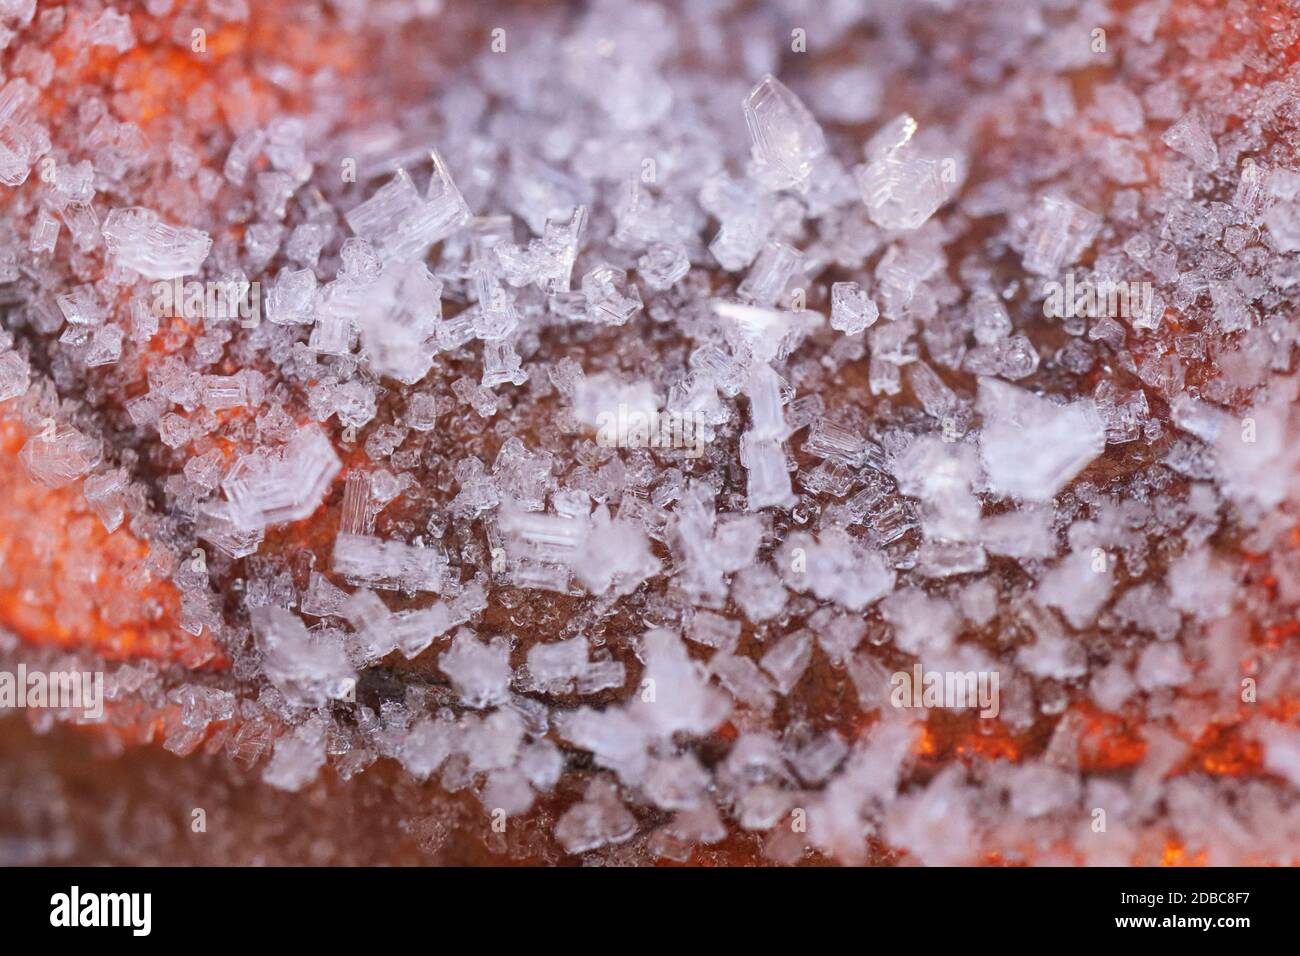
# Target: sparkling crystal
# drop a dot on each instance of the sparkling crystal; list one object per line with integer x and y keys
{"x": 138, "y": 239}
{"x": 289, "y": 486}
{"x": 59, "y": 455}
{"x": 852, "y": 310}
{"x": 787, "y": 139}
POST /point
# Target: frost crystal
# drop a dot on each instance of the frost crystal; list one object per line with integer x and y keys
{"x": 851, "y": 310}
{"x": 479, "y": 671}
{"x": 1060, "y": 231}
{"x": 1190, "y": 137}
{"x": 398, "y": 316}
{"x": 401, "y": 224}
{"x": 21, "y": 138}
{"x": 902, "y": 184}
{"x": 308, "y": 667}
{"x": 59, "y": 455}
{"x": 138, "y": 239}
{"x": 264, "y": 491}
{"x": 388, "y": 565}
{"x": 788, "y": 142}
{"x": 1031, "y": 448}
{"x": 15, "y": 375}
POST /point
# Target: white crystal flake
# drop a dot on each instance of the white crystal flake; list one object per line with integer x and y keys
{"x": 1030, "y": 447}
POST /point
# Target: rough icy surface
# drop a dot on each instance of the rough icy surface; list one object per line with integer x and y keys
{"x": 592, "y": 429}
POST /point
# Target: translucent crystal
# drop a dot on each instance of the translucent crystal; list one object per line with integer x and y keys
{"x": 104, "y": 494}
{"x": 829, "y": 440}
{"x": 243, "y": 151}
{"x": 836, "y": 567}
{"x": 663, "y": 266}
{"x": 400, "y": 224}
{"x": 308, "y": 667}
{"x": 901, "y": 184}
{"x": 59, "y": 455}
{"x": 501, "y": 365}
{"x": 852, "y": 310}
{"x": 297, "y": 758}
{"x": 1078, "y": 587}
{"x": 715, "y": 631}
{"x": 768, "y": 479}
{"x": 743, "y": 679}
{"x": 21, "y": 139}
{"x": 105, "y": 346}
{"x": 788, "y": 659}
{"x": 1123, "y": 412}
{"x": 15, "y": 375}
{"x": 388, "y": 565}
{"x": 596, "y": 821}
{"x": 746, "y": 217}
{"x": 556, "y": 667}
{"x": 1060, "y": 231}
{"x": 215, "y": 525}
{"x": 355, "y": 515}
{"x": 788, "y": 141}
{"x": 291, "y": 299}
{"x": 398, "y": 317}
{"x": 1031, "y": 447}
{"x": 989, "y": 315}
{"x": 479, "y": 671}
{"x": 83, "y": 225}
{"x": 547, "y": 261}
{"x": 138, "y": 239}
{"x": 934, "y": 394}
{"x": 289, "y": 486}
{"x": 82, "y": 306}
{"x": 45, "y": 233}
{"x": 767, "y": 419}
{"x": 770, "y": 274}
{"x": 223, "y": 391}
{"x": 684, "y": 702}
{"x": 611, "y": 300}
{"x": 1119, "y": 108}
{"x": 1191, "y": 137}
{"x": 332, "y": 334}
{"x": 768, "y": 334}
{"x": 1011, "y": 358}
{"x": 616, "y": 556}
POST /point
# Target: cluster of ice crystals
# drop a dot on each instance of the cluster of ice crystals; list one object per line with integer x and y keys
{"x": 641, "y": 492}
{"x": 401, "y": 223}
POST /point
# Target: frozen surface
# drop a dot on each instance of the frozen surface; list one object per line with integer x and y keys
{"x": 594, "y": 429}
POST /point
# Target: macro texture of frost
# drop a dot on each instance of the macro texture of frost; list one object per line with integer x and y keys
{"x": 598, "y": 425}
